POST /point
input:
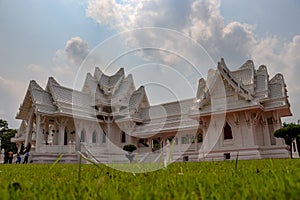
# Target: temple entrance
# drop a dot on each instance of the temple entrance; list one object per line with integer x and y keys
{"x": 65, "y": 137}
{"x": 143, "y": 142}
{"x": 156, "y": 144}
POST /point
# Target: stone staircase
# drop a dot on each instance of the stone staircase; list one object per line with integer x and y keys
{"x": 44, "y": 158}
{"x": 102, "y": 154}
{"x": 97, "y": 154}
{"x": 152, "y": 157}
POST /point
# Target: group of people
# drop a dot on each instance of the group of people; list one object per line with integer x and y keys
{"x": 8, "y": 157}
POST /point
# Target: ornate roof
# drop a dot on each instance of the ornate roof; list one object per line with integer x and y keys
{"x": 245, "y": 88}
{"x": 99, "y": 90}
{"x": 245, "y": 73}
{"x": 109, "y": 84}
{"x": 165, "y": 117}
{"x": 36, "y": 98}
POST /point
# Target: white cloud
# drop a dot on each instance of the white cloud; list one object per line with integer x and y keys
{"x": 73, "y": 54}
{"x": 38, "y": 69}
{"x": 65, "y": 63}
{"x": 282, "y": 58}
{"x": 76, "y": 50}
{"x": 206, "y": 20}
{"x": 13, "y": 87}
{"x": 63, "y": 68}
{"x": 12, "y": 93}
{"x": 279, "y": 57}
{"x": 201, "y": 20}
{"x": 39, "y": 73}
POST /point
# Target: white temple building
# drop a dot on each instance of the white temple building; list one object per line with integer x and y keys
{"x": 234, "y": 113}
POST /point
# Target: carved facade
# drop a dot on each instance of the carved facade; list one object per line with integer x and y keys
{"x": 233, "y": 113}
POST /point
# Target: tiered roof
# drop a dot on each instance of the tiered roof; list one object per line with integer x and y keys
{"x": 246, "y": 88}
{"x": 117, "y": 92}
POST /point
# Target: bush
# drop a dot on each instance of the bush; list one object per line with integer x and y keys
{"x": 129, "y": 147}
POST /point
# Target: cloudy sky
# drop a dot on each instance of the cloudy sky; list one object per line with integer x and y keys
{"x": 52, "y": 38}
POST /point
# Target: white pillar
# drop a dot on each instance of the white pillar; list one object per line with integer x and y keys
{"x": 61, "y": 134}
{"x": 109, "y": 139}
{"x": 295, "y": 152}
{"x": 162, "y": 144}
{"x": 77, "y": 139}
{"x": 279, "y": 141}
{"x": 29, "y": 129}
{"x": 251, "y": 131}
{"x": 55, "y": 135}
{"x": 38, "y": 133}
{"x": 267, "y": 139}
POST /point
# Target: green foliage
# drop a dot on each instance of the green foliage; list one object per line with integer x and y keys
{"x": 129, "y": 147}
{"x": 5, "y": 140}
{"x": 289, "y": 132}
{"x": 5, "y": 135}
{"x": 203, "y": 180}
{"x": 3, "y": 125}
{"x": 155, "y": 146}
{"x": 200, "y": 138}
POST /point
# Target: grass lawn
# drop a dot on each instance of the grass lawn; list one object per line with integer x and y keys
{"x": 255, "y": 179}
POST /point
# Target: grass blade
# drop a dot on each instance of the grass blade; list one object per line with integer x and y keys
{"x": 56, "y": 161}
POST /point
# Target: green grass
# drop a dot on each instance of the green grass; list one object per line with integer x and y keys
{"x": 256, "y": 179}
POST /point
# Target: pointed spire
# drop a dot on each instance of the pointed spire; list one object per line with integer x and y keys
{"x": 120, "y": 72}
{"x": 202, "y": 87}
{"x": 90, "y": 84}
{"x": 248, "y": 65}
{"x": 262, "y": 68}
{"x": 22, "y": 128}
{"x": 34, "y": 85}
{"x": 141, "y": 89}
{"x": 52, "y": 81}
{"x": 97, "y": 73}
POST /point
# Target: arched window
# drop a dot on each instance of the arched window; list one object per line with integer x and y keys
{"x": 123, "y": 137}
{"x": 82, "y": 136}
{"x": 103, "y": 137}
{"x": 94, "y": 137}
{"x": 227, "y": 132}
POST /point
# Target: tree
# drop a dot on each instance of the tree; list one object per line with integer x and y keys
{"x": 289, "y": 132}
{"x": 5, "y": 135}
{"x": 3, "y": 125}
{"x": 129, "y": 148}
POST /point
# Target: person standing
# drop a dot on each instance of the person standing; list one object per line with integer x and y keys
{"x": 28, "y": 147}
{"x": 26, "y": 152}
{"x": 22, "y": 150}
{"x": 6, "y": 157}
{"x": 26, "y": 157}
{"x": 10, "y": 156}
{"x": 18, "y": 159}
